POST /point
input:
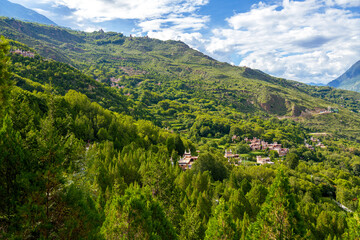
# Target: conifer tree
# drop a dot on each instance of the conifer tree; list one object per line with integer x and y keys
{"x": 353, "y": 223}
{"x": 5, "y": 81}
{"x": 12, "y": 162}
{"x": 278, "y": 218}
{"x": 136, "y": 215}
{"x": 191, "y": 225}
{"x": 221, "y": 225}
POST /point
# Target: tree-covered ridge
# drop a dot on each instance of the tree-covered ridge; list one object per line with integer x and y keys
{"x": 62, "y": 77}
{"x": 72, "y": 169}
{"x": 171, "y": 84}
{"x": 348, "y": 99}
{"x": 170, "y": 59}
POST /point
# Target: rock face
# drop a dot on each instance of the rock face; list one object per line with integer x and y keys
{"x": 17, "y": 11}
{"x": 350, "y": 80}
{"x": 274, "y": 104}
{"x": 297, "y": 110}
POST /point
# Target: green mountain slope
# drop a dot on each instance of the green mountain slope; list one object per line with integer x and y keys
{"x": 350, "y": 80}
{"x": 111, "y": 55}
{"x": 173, "y": 82}
{"x": 62, "y": 78}
{"x": 72, "y": 169}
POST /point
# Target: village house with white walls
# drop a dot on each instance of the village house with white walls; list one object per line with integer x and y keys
{"x": 187, "y": 160}
{"x": 230, "y": 155}
{"x": 263, "y": 160}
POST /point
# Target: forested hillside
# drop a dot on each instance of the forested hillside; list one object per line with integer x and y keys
{"x": 91, "y": 150}
{"x": 173, "y": 85}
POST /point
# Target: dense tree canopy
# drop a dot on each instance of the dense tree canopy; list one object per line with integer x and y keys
{"x": 79, "y": 160}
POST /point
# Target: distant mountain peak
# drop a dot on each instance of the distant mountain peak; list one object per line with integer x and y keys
{"x": 350, "y": 80}
{"x": 17, "y": 11}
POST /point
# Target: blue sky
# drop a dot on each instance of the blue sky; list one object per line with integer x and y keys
{"x": 307, "y": 41}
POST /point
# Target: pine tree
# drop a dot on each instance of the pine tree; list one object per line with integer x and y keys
{"x": 191, "y": 225}
{"x": 353, "y": 223}
{"x": 136, "y": 215}
{"x": 44, "y": 211}
{"x": 292, "y": 160}
{"x": 12, "y": 162}
{"x": 5, "y": 82}
{"x": 278, "y": 218}
{"x": 221, "y": 225}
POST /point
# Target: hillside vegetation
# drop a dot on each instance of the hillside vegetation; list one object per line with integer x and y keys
{"x": 92, "y": 127}
{"x": 173, "y": 81}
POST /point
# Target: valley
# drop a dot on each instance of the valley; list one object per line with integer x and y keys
{"x": 116, "y": 137}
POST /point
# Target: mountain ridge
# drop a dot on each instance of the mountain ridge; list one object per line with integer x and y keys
{"x": 350, "y": 80}
{"x": 175, "y": 83}
{"x": 17, "y": 11}
{"x": 170, "y": 58}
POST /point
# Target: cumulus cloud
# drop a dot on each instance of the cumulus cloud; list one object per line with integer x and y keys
{"x": 162, "y": 19}
{"x": 177, "y": 27}
{"x": 105, "y": 10}
{"x": 311, "y": 40}
{"x": 307, "y": 40}
{"x": 344, "y": 3}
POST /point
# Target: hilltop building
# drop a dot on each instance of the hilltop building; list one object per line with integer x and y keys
{"x": 321, "y": 145}
{"x": 187, "y": 160}
{"x": 261, "y": 160}
{"x": 308, "y": 146}
{"x": 314, "y": 140}
{"x": 229, "y": 155}
{"x": 23, "y": 53}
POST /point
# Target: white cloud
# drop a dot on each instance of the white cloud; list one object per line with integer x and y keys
{"x": 104, "y": 10}
{"x": 344, "y": 3}
{"x": 177, "y": 27}
{"x": 43, "y": 12}
{"x": 311, "y": 40}
{"x": 163, "y": 19}
{"x": 177, "y": 22}
{"x": 308, "y": 40}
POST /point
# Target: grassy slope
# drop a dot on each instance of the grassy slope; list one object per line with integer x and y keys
{"x": 105, "y": 55}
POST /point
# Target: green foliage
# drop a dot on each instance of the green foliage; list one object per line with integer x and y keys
{"x": 12, "y": 161}
{"x": 5, "y": 82}
{"x": 79, "y": 160}
{"x": 243, "y": 148}
{"x": 214, "y": 164}
{"x": 278, "y": 217}
{"x": 221, "y": 225}
{"x": 292, "y": 160}
{"x": 192, "y": 226}
{"x": 354, "y": 226}
{"x": 135, "y": 215}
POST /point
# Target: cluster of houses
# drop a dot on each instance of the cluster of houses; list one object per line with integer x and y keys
{"x": 259, "y": 160}
{"x": 23, "y": 53}
{"x": 257, "y": 144}
{"x": 315, "y": 141}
